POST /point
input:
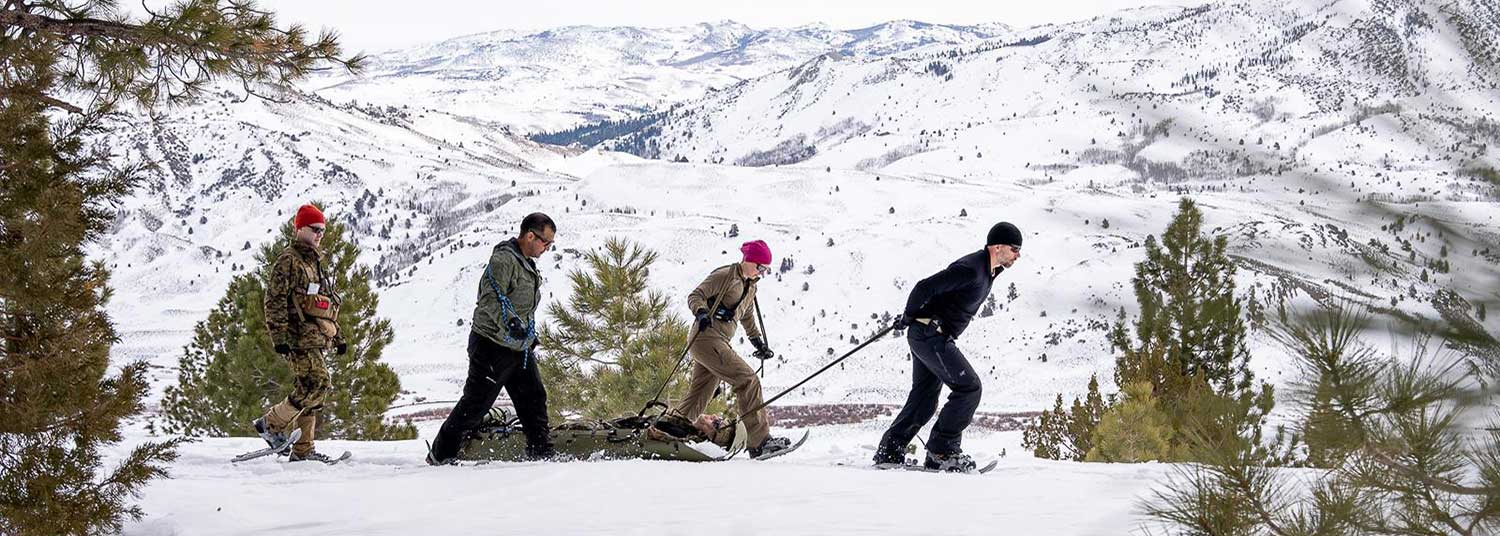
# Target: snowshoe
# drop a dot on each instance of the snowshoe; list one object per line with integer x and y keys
{"x": 771, "y": 445}
{"x": 273, "y": 449}
{"x": 957, "y": 462}
{"x": 316, "y": 456}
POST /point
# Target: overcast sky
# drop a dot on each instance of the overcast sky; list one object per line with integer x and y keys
{"x": 374, "y": 25}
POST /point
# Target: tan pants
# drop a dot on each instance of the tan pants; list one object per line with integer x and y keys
{"x": 279, "y": 418}
{"x": 715, "y": 361}
{"x": 310, "y": 384}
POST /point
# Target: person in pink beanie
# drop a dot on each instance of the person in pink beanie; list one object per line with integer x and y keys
{"x": 724, "y": 298}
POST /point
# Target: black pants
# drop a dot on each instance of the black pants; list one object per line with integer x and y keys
{"x": 936, "y": 362}
{"x": 492, "y": 367}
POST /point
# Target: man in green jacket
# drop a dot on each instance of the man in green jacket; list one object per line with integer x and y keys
{"x": 501, "y": 345}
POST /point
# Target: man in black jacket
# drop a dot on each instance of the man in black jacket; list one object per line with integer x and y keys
{"x": 938, "y": 311}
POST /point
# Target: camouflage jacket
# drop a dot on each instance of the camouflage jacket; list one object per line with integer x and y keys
{"x": 726, "y": 288}
{"x": 301, "y": 305}
{"x": 511, "y": 275}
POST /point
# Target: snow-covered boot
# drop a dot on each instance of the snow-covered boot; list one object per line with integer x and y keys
{"x": 770, "y": 446}
{"x": 887, "y": 455}
{"x": 433, "y": 461}
{"x": 311, "y": 455}
{"x": 957, "y": 462}
{"x": 273, "y": 438}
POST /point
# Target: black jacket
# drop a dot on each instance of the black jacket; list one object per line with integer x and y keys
{"x": 954, "y": 295}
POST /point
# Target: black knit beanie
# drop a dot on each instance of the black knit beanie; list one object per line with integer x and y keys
{"x": 1004, "y": 233}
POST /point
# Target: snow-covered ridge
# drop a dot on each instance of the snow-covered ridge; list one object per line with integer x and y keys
{"x": 1282, "y": 73}
{"x": 561, "y": 77}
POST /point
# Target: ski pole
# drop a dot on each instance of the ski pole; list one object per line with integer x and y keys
{"x": 764, "y": 336}
{"x": 825, "y": 368}
{"x": 656, "y": 399}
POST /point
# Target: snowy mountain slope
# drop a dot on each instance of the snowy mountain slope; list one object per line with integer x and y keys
{"x": 869, "y": 213}
{"x": 557, "y": 78}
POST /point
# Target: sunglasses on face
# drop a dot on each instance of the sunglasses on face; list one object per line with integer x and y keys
{"x": 545, "y": 243}
{"x": 317, "y": 230}
{"x": 762, "y": 269}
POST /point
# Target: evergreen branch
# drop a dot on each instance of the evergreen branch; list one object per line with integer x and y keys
{"x": 1437, "y": 511}
{"x": 80, "y": 27}
{"x": 58, "y": 103}
{"x": 1413, "y": 473}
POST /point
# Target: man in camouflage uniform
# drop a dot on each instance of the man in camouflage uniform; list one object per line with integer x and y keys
{"x": 502, "y": 344}
{"x": 302, "y": 319}
{"x": 726, "y": 298}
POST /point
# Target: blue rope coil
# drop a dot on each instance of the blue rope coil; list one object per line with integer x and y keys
{"x": 508, "y": 311}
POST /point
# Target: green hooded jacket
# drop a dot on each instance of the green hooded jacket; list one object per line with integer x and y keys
{"x": 514, "y": 277}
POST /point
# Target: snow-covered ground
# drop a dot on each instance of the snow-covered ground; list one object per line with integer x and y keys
{"x": 387, "y": 490}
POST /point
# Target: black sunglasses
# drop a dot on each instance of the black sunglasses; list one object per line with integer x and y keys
{"x": 545, "y": 242}
{"x": 317, "y": 230}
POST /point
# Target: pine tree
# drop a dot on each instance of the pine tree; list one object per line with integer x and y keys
{"x": 1065, "y": 433}
{"x": 1189, "y": 346}
{"x": 615, "y": 341}
{"x": 1189, "y": 341}
{"x": 1083, "y": 418}
{"x": 58, "y": 405}
{"x": 1134, "y": 430}
{"x": 1409, "y": 458}
{"x": 1046, "y": 436}
{"x": 228, "y": 375}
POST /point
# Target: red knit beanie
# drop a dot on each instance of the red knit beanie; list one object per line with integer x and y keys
{"x": 757, "y": 251}
{"x": 307, "y": 215}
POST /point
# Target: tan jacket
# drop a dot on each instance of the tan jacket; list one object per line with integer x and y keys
{"x": 731, "y": 290}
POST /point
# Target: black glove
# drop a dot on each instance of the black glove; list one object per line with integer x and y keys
{"x": 901, "y": 322}
{"x": 762, "y": 351}
{"x": 283, "y": 348}
{"x": 341, "y": 348}
{"x": 516, "y": 329}
{"x": 703, "y": 319}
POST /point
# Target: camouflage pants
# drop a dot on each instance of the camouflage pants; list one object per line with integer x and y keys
{"x": 310, "y": 383}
